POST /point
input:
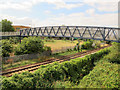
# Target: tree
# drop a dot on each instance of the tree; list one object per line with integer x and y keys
{"x": 5, "y": 48}
{"x": 30, "y": 45}
{"x": 7, "y": 26}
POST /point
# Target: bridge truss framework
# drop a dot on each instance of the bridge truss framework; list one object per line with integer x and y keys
{"x": 82, "y": 32}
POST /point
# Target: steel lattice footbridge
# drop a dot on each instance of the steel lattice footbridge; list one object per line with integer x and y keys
{"x": 82, "y": 32}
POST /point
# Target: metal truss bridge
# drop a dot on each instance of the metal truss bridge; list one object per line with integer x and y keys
{"x": 81, "y": 32}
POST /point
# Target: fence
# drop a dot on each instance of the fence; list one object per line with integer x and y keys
{"x": 25, "y": 57}
{"x": 16, "y": 58}
{"x": 9, "y": 33}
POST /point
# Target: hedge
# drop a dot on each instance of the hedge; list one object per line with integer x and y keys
{"x": 104, "y": 75}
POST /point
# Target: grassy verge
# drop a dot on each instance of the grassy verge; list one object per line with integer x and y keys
{"x": 67, "y": 53}
{"x": 18, "y": 64}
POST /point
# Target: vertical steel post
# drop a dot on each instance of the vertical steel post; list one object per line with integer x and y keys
{"x": 104, "y": 34}
{"x": 20, "y": 36}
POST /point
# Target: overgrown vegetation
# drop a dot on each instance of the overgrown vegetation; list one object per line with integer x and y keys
{"x": 48, "y": 76}
{"x": 30, "y": 45}
{"x": 104, "y": 75}
{"x": 106, "y": 72}
{"x": 6, "y": 48}
{"x": 87, "y": 45}
{"x": 114, "y": 56}
{"x": 14, "y": 40}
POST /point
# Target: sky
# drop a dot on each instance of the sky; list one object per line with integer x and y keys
{"x": 37, "y": 13}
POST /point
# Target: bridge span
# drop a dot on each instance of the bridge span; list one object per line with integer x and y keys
{"x": 82, "y": 32}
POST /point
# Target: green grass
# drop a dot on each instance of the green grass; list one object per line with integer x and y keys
{"x": 18, "y": 64}
{"x": 67, "y": 53}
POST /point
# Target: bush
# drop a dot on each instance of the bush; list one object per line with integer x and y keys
{"x": 87, "y": 45}
{"x": 6, "y": 48}
{"x": 97, "y": 44}
{"x": 62, "y": 84}
{"x": 29, "y": 45}
{"x": 104, "y": 75}
{"x": 47, "y": 48}
{"x": 8, "y": 84}
{"x": 49, "y": 39}
{"x": 14, "y": 40}
{"x": 114, "y": 56}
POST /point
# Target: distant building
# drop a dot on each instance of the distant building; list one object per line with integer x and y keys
{"x": 17, "y": 27}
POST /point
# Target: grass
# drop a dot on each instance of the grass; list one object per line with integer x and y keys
{"x": 18, "y": 64}
{"x": 66, "y": 53}
{"x": 58, "y": 44}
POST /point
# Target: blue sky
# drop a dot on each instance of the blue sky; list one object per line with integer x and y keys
{"x": 58, "y": 12}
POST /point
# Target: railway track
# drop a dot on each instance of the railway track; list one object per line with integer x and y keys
{"x": 35, "y": 66}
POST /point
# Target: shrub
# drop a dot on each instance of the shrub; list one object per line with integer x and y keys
{"x": 47, "y": 48}
{"x": 102, "y": 76}
{"x": 14, "y": 40}
{"x": 6, "y": 48}
{"x": 29, "y": 45}
{"x": 7, "y": 83}
{"x": 114, "y": 56}
{"x": 75, "y": 48}
{"x": 97, "y": 44}
{"x": 62, "y": 84}
{"x": 87, "y": 45}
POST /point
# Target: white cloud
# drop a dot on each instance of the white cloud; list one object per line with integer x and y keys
{"x": 74, "y": 19}
{"x": 47, "y": 12}
{"x": 92, "y": 18}
{"x": 81, "y": 19}
{"x": 110, "y": 6}
{"x": 107, "y": 6}
{"x": 90, "y": 11}
{"x": 26, "y": 5}
{"x": 67, "y": 6}
{"x": 17, "y": 20}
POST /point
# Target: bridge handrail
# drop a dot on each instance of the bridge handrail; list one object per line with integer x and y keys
{"x": 9, "y": 33}
{"x": 78, "y": 26}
